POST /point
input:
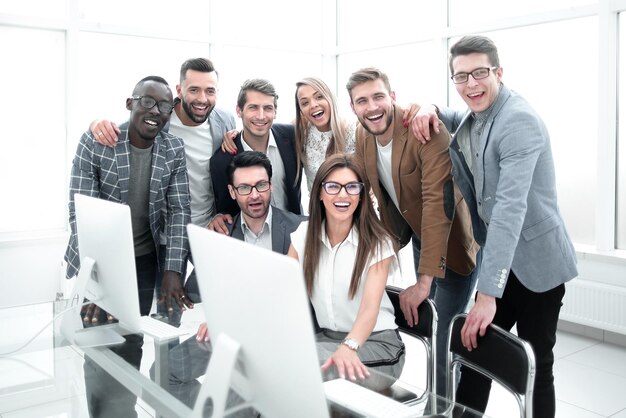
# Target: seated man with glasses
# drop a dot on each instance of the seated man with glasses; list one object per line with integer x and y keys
{"x": 258, "y": 223}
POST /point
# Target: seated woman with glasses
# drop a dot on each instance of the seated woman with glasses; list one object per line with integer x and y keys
{"x": 347, "y": 256}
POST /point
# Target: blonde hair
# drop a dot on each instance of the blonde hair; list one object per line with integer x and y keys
{"x": 338, "y": 126}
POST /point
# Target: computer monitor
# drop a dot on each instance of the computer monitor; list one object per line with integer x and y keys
{"x": 257, "y": 312}
{"x": 107, "y": 275}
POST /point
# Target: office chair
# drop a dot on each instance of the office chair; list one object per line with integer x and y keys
{"x": 426, "y": 332}
{"x": 501, "y": 356}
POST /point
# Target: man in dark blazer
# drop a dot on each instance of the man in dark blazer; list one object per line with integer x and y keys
{"x": 256, "y": 106}
{"x": 258, "y": 223}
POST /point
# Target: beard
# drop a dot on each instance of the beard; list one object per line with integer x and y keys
{"x": 193, "y": 116}
{"x": 388, "y": 121}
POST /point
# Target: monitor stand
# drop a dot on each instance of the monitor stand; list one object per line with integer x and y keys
{"x": 220, "y": 376}
{"x": 72, "y": 325}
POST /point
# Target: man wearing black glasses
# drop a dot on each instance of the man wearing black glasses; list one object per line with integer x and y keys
{"x": 259, "y": 223}
{"x": 145, "y": 170}
{"x": 417, "y": 199}
{"x": 502, "y": 162}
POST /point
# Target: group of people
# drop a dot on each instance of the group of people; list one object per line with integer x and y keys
{"x": 479, "y": 206}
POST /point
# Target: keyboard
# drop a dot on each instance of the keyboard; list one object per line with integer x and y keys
{"x": 159, "y": 330}
{"x": 365, "y": 401}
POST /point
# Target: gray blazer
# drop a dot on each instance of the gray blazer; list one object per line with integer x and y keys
{"x": 220, "y": 122}
{"x": 283, "y": 224}
{"x": 102, "y": 171}
{"x": 512, "y": 197}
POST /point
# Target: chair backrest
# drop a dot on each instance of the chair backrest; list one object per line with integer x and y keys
{"x": 425, "y": 330}
{"x": 500, "y": 355}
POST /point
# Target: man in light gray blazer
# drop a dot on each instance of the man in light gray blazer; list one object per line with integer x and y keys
{"x": 502, "y": 162}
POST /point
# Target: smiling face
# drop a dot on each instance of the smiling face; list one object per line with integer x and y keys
{"x": 145, "y": 124}
{"x": 198, "y": 94}
{"x": 255, "y": 205}
{"x": 373, "y": 104}
{"x": 314, "y": 107}
{"x": 257, "y": 116}
{"x": 478, "y": 94}
{"x": 340, "y": 207}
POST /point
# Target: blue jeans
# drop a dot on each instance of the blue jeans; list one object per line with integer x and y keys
{"x": 451, "y": 296}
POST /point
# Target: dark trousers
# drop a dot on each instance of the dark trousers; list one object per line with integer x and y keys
{"x": 536, "y": 316}
{"x": 106, "y": 397}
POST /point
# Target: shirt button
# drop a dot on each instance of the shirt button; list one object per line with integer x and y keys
{"x": 504, "y": 271}
{"x": 500, "y": 286}
{"x": 503, "y": 276}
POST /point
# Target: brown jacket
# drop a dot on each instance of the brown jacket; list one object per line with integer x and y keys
{"x": 427, "y": 197}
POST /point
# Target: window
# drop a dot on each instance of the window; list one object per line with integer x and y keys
{"x": 32, "y": 163}
{"x": 537, "y": 65}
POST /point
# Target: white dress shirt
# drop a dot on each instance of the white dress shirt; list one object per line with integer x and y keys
{"x": 279, "y": 194}
{"x": 334, "y": 309}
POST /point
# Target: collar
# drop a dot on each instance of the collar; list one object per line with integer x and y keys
{"x": 268, "y": 222}
{"x": 271, "y": 142}
{"x": 352, "y": 238}
{"x": 481, "y": 117}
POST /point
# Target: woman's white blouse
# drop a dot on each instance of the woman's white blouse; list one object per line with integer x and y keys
{"x": 315, "y": 148}
{"x": 333, "y": 308}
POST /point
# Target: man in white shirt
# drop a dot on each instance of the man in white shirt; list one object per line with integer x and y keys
{"x": 256, "y": 106}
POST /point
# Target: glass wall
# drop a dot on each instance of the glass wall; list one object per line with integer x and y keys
{"x": 32, "y": 161}
{"x": 78, "y": 60}
{"x": 621, "y": 145}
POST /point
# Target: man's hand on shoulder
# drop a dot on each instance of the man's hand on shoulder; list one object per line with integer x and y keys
{"x": 422, "y": 122}
{"x": 105, "y": 132}
{"x": 219, "y": 223}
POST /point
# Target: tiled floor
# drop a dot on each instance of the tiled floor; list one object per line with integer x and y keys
{"x": 590, "y": 379}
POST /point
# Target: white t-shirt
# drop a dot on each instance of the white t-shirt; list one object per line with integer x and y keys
{"x": 198, "y": 151}
{"x": 279, "y": 194}
{"x": 334, "y": 309}
{"x": 383, "y": 164}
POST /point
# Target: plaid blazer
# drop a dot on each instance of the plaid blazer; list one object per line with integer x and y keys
{"x": 103, "y": 172}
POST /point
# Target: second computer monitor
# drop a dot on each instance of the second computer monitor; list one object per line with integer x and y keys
{"x": 257, "y": 298}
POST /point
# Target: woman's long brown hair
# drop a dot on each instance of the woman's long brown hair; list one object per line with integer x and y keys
{"x": 371, "y": 231}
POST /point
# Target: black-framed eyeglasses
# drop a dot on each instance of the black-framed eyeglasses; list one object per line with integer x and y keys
{"x": 149, "y": 102}
{"x": 477, "y": 74}
{"x": 246, "y": 189}
{"x": 353, "y": 188}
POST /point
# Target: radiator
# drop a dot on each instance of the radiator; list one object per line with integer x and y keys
{"x": 595, "y": 304}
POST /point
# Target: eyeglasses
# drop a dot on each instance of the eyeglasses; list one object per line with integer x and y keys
{"x": 246, "y": 189}
{"x": 477, "y": 74}
{"x": 149, "y": 102}
{"x": 352, "y": 188}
